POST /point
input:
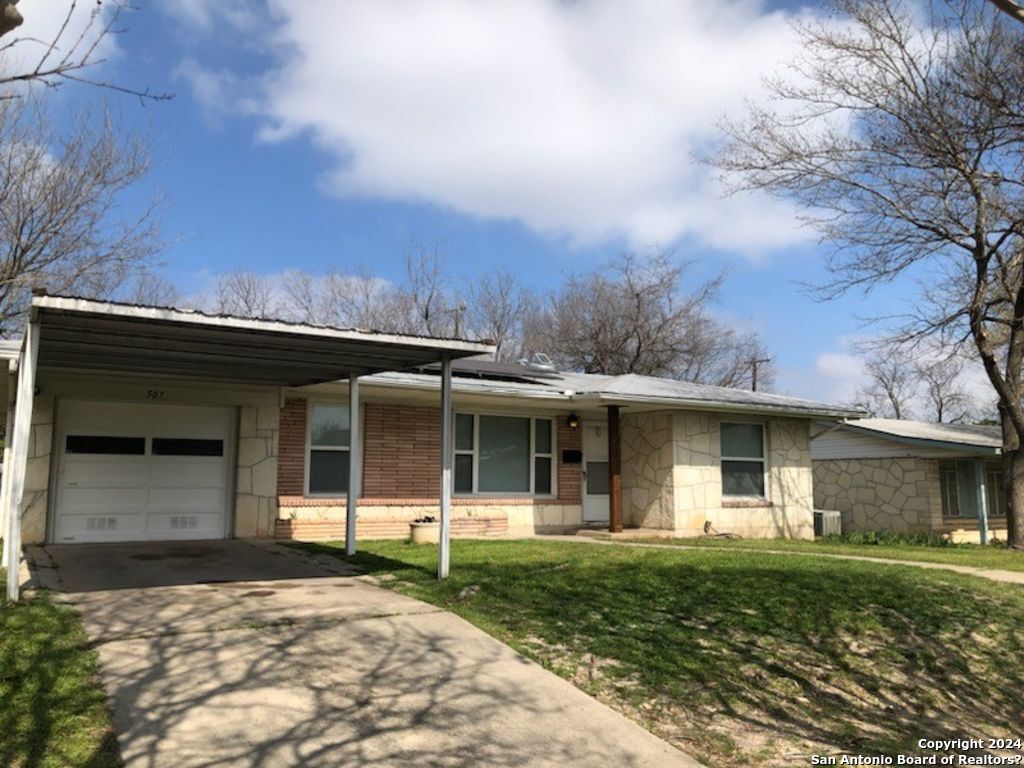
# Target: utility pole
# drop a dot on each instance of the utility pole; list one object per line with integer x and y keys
{"x": 457, "y": 312}
{"x": 754, "y": 362}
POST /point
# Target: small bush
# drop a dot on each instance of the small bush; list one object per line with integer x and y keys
{"x": 890, "y": 538}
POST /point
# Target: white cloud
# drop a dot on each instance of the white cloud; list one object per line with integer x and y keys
{"x": 577, "y": 118}
{"x": 208, "y": 15}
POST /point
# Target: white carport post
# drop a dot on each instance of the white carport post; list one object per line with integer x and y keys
{"x": 355, "y": 464}
{"x": 19, "y": 459}
{"x": 443, "y": 558}
{"x": 5, "y": 485}
{"x": 979, "y": 476}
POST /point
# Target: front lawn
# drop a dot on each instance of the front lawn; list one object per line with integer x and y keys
{"x": 743, "y": 658}
{"x": 53, "y": 710}
{"x": 972, "y": 555}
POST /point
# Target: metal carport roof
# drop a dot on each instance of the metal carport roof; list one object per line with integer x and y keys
{"x": 103, "y": 336}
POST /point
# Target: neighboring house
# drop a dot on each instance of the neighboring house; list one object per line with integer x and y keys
{"x": 154, "y": 424}
{"x": 908, "y": 476}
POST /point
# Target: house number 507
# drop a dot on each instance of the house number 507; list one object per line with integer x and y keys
{"x": 155, "y": 394}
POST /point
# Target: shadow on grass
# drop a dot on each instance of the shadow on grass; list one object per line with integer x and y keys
{"x": 52, "y": 709}
{"x": 855, "y": 656}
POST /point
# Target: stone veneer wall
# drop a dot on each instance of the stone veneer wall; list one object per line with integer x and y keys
{"x": 34, "y": 502}
{"x": 891, "y": 494}
{"x": 256, "y": 479}
{"x": 648, "y": 493}
{"x": 790, "y": 484}
{"x": 672, "y": 477}
{"x": 697, "y": 474}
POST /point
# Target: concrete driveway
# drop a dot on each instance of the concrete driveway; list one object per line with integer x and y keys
{"x": 232, "y": 654}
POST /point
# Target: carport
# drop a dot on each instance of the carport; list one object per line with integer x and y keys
{"x": 67, "y": 334}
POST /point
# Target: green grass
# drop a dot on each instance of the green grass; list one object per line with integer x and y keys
{"x": 743, "y": 658}
{"x": 972, "y": 555}
{"x": 53, "y": 710}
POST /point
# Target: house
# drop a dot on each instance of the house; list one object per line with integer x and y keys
{"x": 142, "y": 423}
{"x": 910, "y": 476}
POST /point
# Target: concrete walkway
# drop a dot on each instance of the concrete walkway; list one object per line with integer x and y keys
{"x": 992, "y": 574}
{"x": 231, "y": 654}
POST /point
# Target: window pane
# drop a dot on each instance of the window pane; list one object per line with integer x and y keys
{"x": 542, "y": 475}
{"x": 742, "y": 478}
{"x": 464, "y": 432}
{"x": 329, "y": 426}
{"x": 504, "y": 454}
{"x": 180, "y": 446}
{"x": 464, "y": 473}
{"x": 542, "y": 436}
{"x": 744, "y": 440}
{"x": 328, "y": 472}
{"x": 105, "y": 444}
{"x": 597, "y": 477}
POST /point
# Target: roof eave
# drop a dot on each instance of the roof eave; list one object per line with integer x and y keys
{"x": 984, "y": 450}
{"x": 718, "y": 405}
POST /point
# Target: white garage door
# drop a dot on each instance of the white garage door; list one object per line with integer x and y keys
{"x": 130, "y": 472}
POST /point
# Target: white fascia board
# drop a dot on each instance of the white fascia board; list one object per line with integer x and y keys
{"x": 272, "y": 326}
{"x": 715, "y": 406}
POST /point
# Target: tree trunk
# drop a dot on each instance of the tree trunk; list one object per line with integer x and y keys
{"x": 1013, "y": 482}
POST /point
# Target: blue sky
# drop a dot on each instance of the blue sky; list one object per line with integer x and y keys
{"x": 322, "y": 135}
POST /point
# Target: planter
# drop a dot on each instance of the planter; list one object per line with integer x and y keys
{"x": 425, "y": 533}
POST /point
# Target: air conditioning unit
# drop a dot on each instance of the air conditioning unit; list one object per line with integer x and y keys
{"x": 827, "y": 522}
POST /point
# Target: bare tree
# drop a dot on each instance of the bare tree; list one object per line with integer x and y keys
{"x": 944, "y": 391}
{"x": 426, "y": 295}
{"x": 893, "y": 383}
{"x": 635, "y": 317}
{"x": 246, "y": 294}
{"x": 151, "y": 289}
{"x": 64, "y": 222}
{"x": 498, "y": 307}
{"x": 900, "y": 133}
{"x": 71, "y": 55}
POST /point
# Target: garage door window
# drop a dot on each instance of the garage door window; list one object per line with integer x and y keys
{"x": 180, "y": 446}
{"x": 105, "y": 444}
{"x": 329, "y": 434}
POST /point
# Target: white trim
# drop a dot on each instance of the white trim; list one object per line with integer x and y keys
{"x": 475, "y": 453}
{"x": 762, "y": 459}
{"x": 310, "y": 404}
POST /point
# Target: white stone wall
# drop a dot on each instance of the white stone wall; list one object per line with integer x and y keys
{"x": 895, "y": 494}
{"x": 697, "y": 475}
{"x": 648, "y": 467}
{"x": 256, "y": 478}
{"x": 672, "y": 477}
{"x": 35, "y": 500}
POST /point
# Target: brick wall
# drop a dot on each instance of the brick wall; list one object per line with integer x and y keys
{"x": 401, "y": 452}
{"x": 291, "y": 459}
{"x": 569, "y": 475}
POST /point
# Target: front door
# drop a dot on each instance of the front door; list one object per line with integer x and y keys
{"x": 595, "y": 472}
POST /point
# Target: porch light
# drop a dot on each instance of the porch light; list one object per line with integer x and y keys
{"x": 573, "y": 421}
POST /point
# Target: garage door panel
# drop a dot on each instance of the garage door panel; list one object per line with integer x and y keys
{"x": 184, "y": 525}
{"x": 105, "y": 474}
{"x": 100, "y": 527}
{"x": 83, "y": 501}
{"x": 174, "y": 487}
{"x": 187, "y": 474}
{"x": 186, "y": 499}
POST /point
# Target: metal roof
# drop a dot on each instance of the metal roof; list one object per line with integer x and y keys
{"x": 929, "y": 433}
{"x": 104, "y": 336}
{"x": 630, "y": 389}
